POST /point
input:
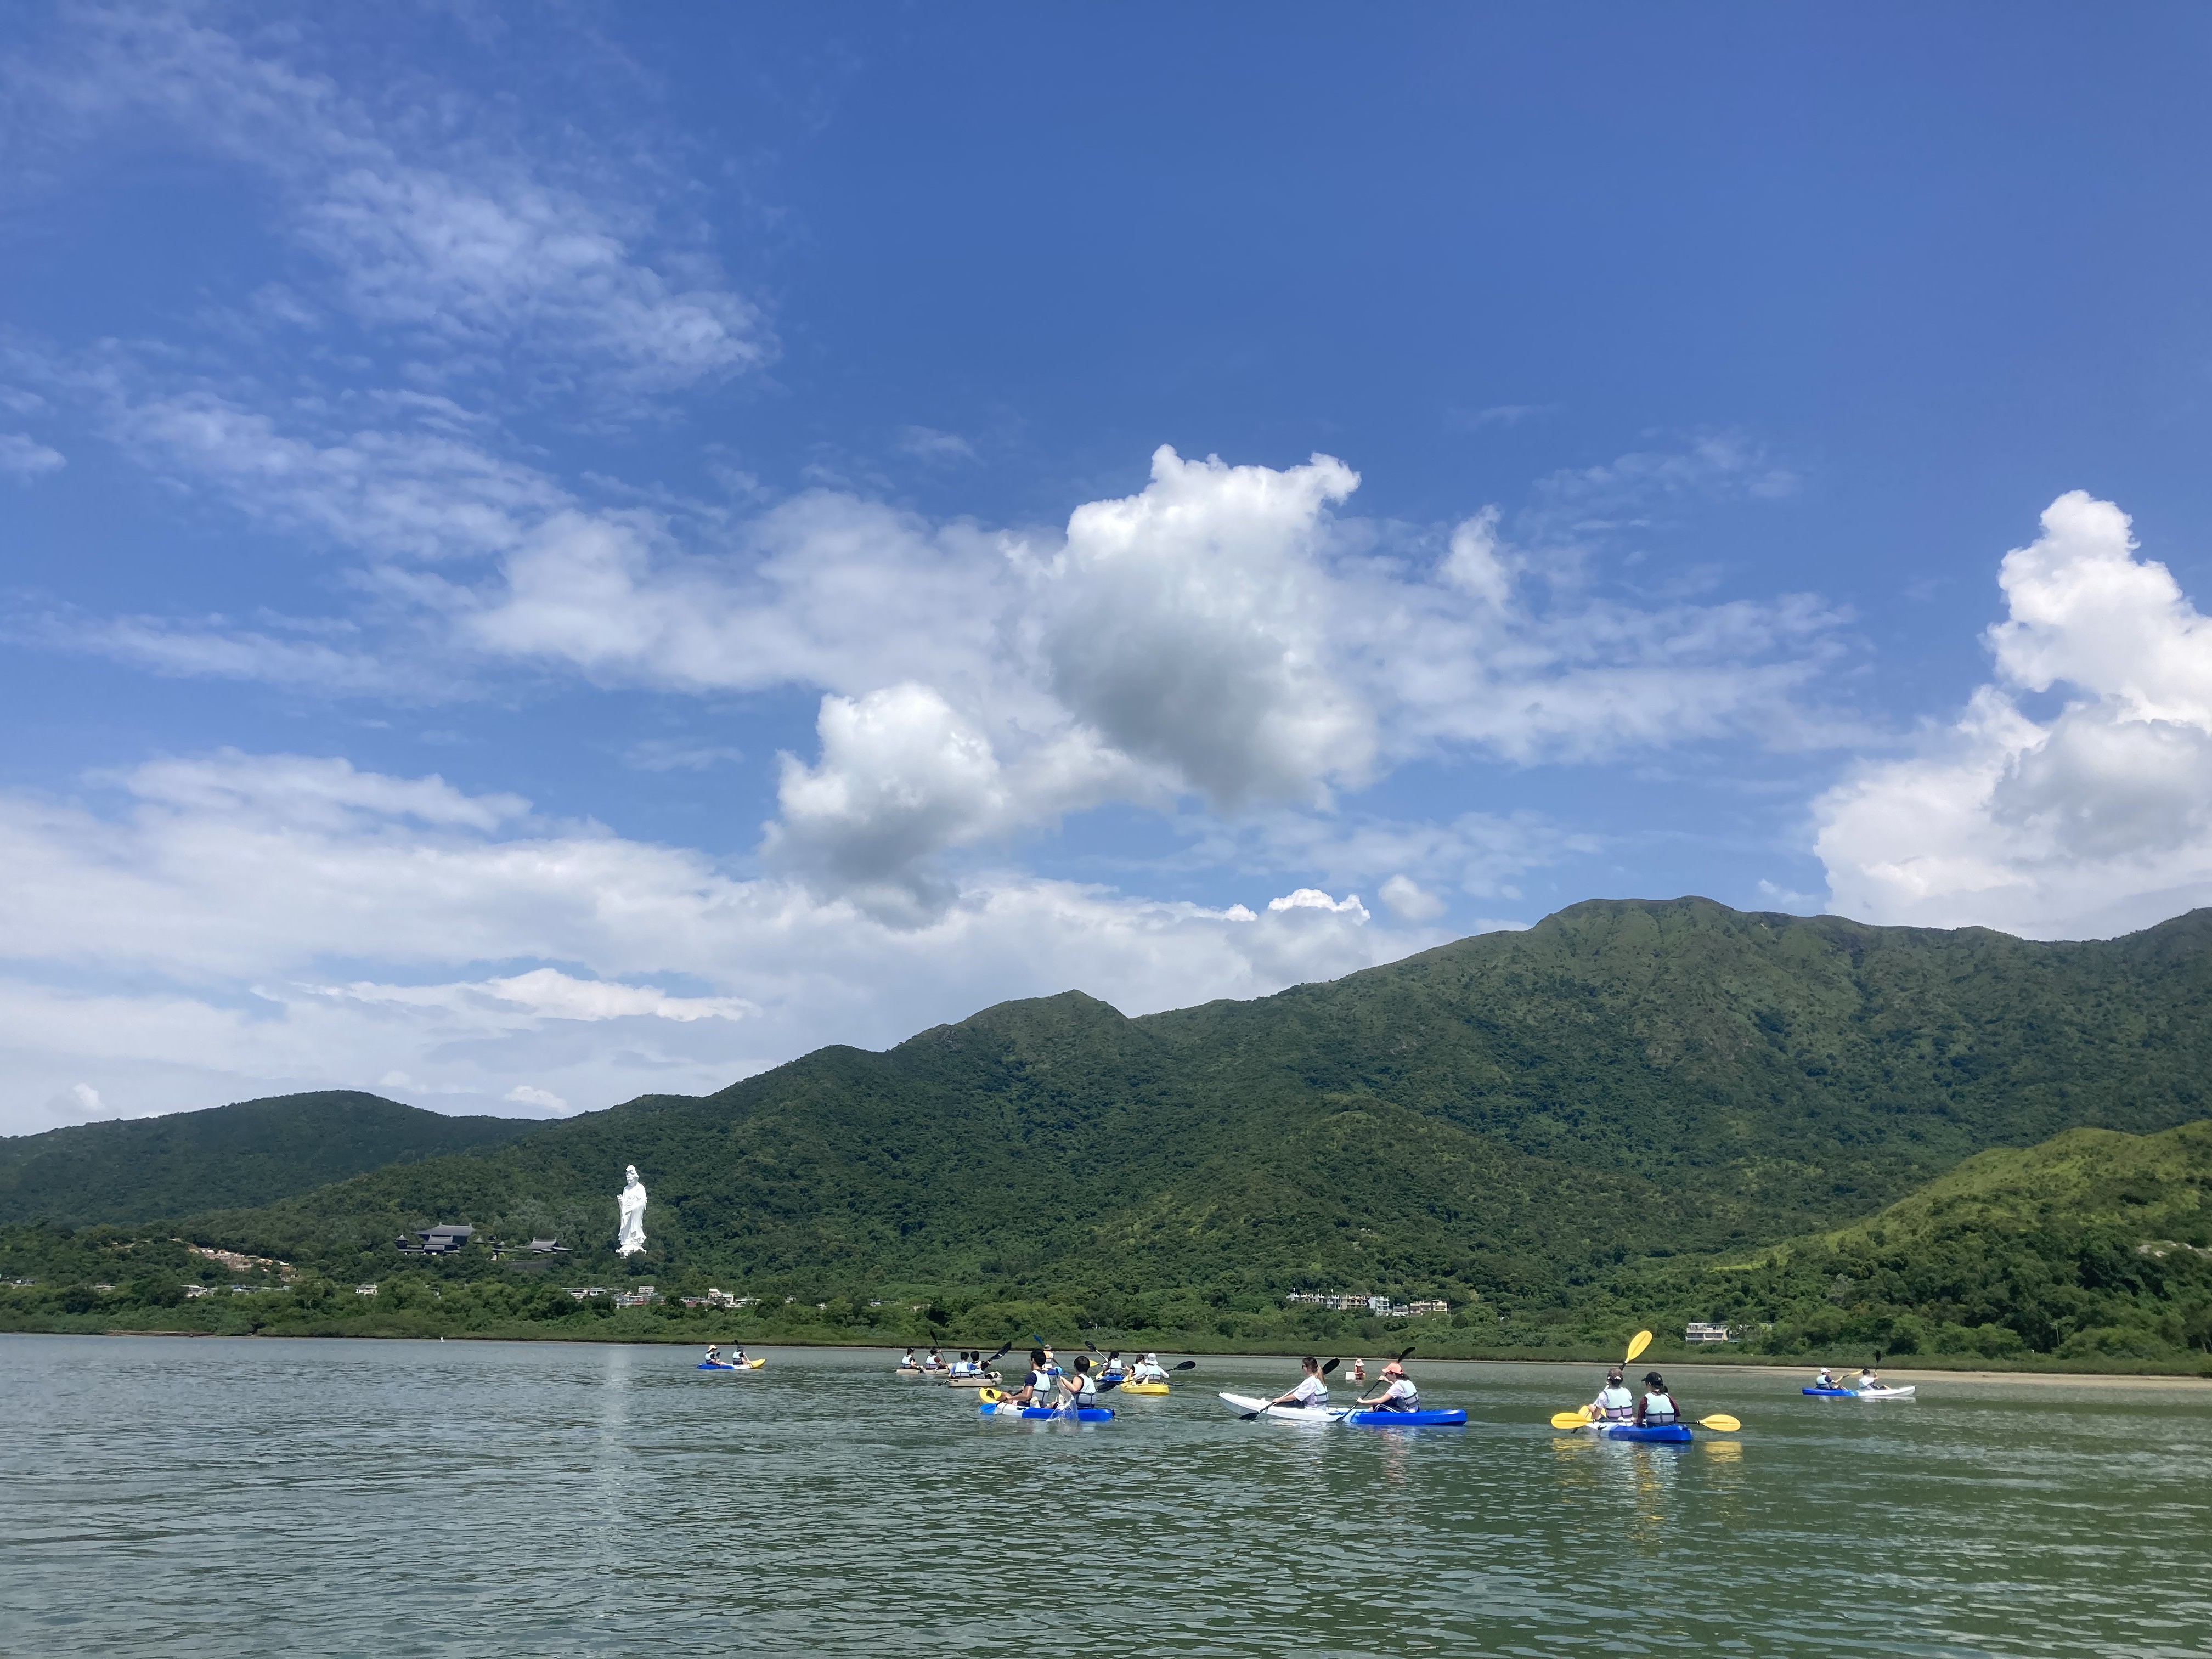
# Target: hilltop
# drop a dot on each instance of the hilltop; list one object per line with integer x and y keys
{"x": 252, "y": 1152}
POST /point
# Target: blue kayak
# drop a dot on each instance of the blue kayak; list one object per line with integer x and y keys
{"x": 1666, "y": 1434}
{"x": 1830, "y": 1394}
{"x": 1046, "y": 1413}
{"x": 1440, "y": 1420}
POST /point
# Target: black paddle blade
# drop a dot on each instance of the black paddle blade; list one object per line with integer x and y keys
{"x": 1187, "y": 1366}
{"x": 1108, "y": 1385}
{"x": 1400, "y": 1359}
{"x": 1331, "y": 1367}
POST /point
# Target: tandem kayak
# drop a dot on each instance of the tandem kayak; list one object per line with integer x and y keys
{"x": 1045, "y": 1414}
{"x": 1908, "y": 1392}
{"x": 1654, "y": 1434}
{"x": 749, "y": 1365}
{"x": 1245, "y": 1404}
{"x": 1142, "y": 1388}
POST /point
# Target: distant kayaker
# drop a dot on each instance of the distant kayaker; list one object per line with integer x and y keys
{"x": 1114, "y": 1367}
{"x": 1867, "y": 1379}
{"x": 1311, "y": 1394}
{"x": 737, "y": 1357}
{"x": 1827, "y": 1379}
{"x": 714, "y": 1353}
{"x": 907, "y": 1362}
{"x": 1360, "y": 1371}
{"x": 1400, "y": 1395}
{"x": 1613, "y": 1404}
{"x": 1079, "y": 1391}
{"x": 1149, "y": 1369}
{"x": 1657, "y": 1408}
{"x": 935, "y": 1362}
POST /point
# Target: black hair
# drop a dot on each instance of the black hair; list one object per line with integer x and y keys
{"x": 1083, "y": 1362}
{"x": 1654, "y": 1378}
{"x": 1036, "y": 1355}
{"x": 1310, "y": 1362}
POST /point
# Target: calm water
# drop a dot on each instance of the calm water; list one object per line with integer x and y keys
{"x": 256, "y": 1497}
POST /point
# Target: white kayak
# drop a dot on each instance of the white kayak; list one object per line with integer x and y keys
{"x": 1904, "y": 1393}
{"x": 1244, "y": 1405}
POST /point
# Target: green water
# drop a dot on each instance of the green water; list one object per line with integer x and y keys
{"x": 247, "y": 1498}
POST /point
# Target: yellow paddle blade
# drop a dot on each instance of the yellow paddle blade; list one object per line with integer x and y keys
{"x": 1638, "y": 1344}
{"x": 989, "y": 1396}
{"x": 1719, "y": 1423}
{"x": 1570, "y": 1419}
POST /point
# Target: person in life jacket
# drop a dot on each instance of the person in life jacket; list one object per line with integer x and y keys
{"x": 1149, "y": 1369}
{"x": 1036, "y": 1388}
{"x": 1400, "y": 1395}
{"x": 1657, "y": 1409}
{"x": 1311, "y": 1392}
{"x": 737, "y": 1357}
{"x": 714, "y": 1353}
{"x": 907, "y": 1362}
{"x": 1360, "y": 1371}
{"x": 1079, "y": 1392}
{"x": 1867, "y": 1379}
{"x": 1827, "y": 1379}
{"x": 1613, "y": 1404}
{"x": 1114, "y": 1367}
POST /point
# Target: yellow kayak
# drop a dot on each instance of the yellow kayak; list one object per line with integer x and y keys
{"x": 1142, "y": 1388}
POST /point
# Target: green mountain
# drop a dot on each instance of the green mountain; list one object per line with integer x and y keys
{"x": 1623, "y": 1079}
{"x": 1555, "y": 1130}
{"x": 229, "y": 1157}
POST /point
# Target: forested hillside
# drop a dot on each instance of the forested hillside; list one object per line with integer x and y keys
{"x": 252, "y": 1152}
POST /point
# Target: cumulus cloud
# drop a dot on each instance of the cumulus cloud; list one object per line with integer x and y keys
{"x": 1189, "y": 623}
{"x": 524, "y": 1094}
{"x": 2093, "y": 820}
{"x": 1409, "y": 899}
{"x": 223, "y": 890}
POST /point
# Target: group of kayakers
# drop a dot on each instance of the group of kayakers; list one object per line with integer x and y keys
{"x": 1076, "y": 1388}
{"x": 1398, "y": 1392}
{"x": 714, "y": 1355}
{"x": 1865, "y": 1379}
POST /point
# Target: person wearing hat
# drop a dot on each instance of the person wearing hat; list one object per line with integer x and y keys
{"x": 1149, "y": 1369}
{"x": 714, "y": 1353}
{"x": 1613, "y": 1404}
{"x": 1657, "y": 1409}
{"x": 1399, "y": 1394}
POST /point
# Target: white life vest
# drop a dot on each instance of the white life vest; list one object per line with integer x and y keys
{"x": 1659, "y": 1409}
{"x": 1615, "y": 1404}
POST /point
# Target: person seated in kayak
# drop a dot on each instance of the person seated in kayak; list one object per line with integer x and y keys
{"x": 1114, "y": 1367}
{"x": 737, "y": 1357}
{"x": 1400, "y": 1395}
{"x": 1360, "y": 1371}
{"x": 1827, "y": 1379}
{"x": 1311, "y": 1394}
{"x": 1613, "y": 1404}
{"x": 1037, "y": 1388}
{"x": 1079, "y": 1391}
{"x": 907, "y": 1362}
{"x": 1657, "y": 1409}
{"x": 714, "y": 1353}
{"x": 934, "y": 1363}
{"x": 1149, "y": 1369}
{"x": 1867, "y": 1379}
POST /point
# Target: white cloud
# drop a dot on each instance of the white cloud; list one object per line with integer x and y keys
{"x": 438, "y": 223}
{"x": 1409, "y": 899}
{"x": 1190, "y": 625}
{"x": 2094, "y": 821}
{"x": 226, "y": 887}
{"x": 928, "y": 444}
{"x": 1312, "y": 898}
{"x": 23, "y": 459}
{"x": 523, "y": 1095}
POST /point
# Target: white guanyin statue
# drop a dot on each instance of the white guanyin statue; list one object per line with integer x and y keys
{"x": 632, "y": 1203}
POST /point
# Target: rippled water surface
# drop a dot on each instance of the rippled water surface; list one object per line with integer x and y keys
{"x": 257, "y": 1497}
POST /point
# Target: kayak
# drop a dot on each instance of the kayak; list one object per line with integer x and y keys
{"x": 1655, "y": 1434}
{"x": 1244, "y": 1405}
{"x": 749, "y": 1365}
{"x": 980, "y": 1380}
{"x": 1907, "y": 1392}
{"x": 1048, "y": 1414}
{"x": 1830, "y": 1394}
{"x": 1440, "y": 1420}
{"x": 906, "y": 1370}
{"x": 1142, "y": 1388}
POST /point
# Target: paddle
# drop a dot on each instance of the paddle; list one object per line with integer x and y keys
{"x": 1719, "y": 1422}
{"x": 1246, "y": 1417}
{"x": 1637, "y": 1345}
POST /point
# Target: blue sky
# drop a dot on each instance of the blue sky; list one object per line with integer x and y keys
{"x": 554, "y": 553}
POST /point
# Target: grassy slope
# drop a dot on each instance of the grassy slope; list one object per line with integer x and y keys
{"x": 249, "y": 1153}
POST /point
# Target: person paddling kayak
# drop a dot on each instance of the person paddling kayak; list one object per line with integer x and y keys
{"x": 1398, "y": 1395}
{"x": 1079, "y": 1392}
{"x": 1036, "y": 1388}
{"x": 1827, "y": 1379}
{"x": 1866, "y": 1378}
{"x": 1149, "y": 1369}
{"x": 1312, "y": 1393}
{"x": 1114, "y": 1368}
{"x": 714, "y": 1353}
{"x": 1613, "y": 1404}
{"x": 1657, "y": 1409}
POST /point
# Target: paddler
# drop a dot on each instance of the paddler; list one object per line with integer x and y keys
{"x": 935, "y": 1362}
{"x": 1867, "y": 1379}
{"x": 1613, "y": 1404}
{"x": 1080, "y": 1393}
{"x": 1036, "y": 1388}
{"x": 906, "y": 1364}
{"x": 737, "y": 1357}
{"x": 1360, "y": 1371}
{"x": 1657, "y": 1409}
{"x": 1114, "y": 1367}
{"x": 1149, "y": 1369}
{"x": 1827, "y": 1379}
{"x": 1311, "y": 1394}
{"x": 714, "y": 1353}
{"x": 1400, "y": 1395}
